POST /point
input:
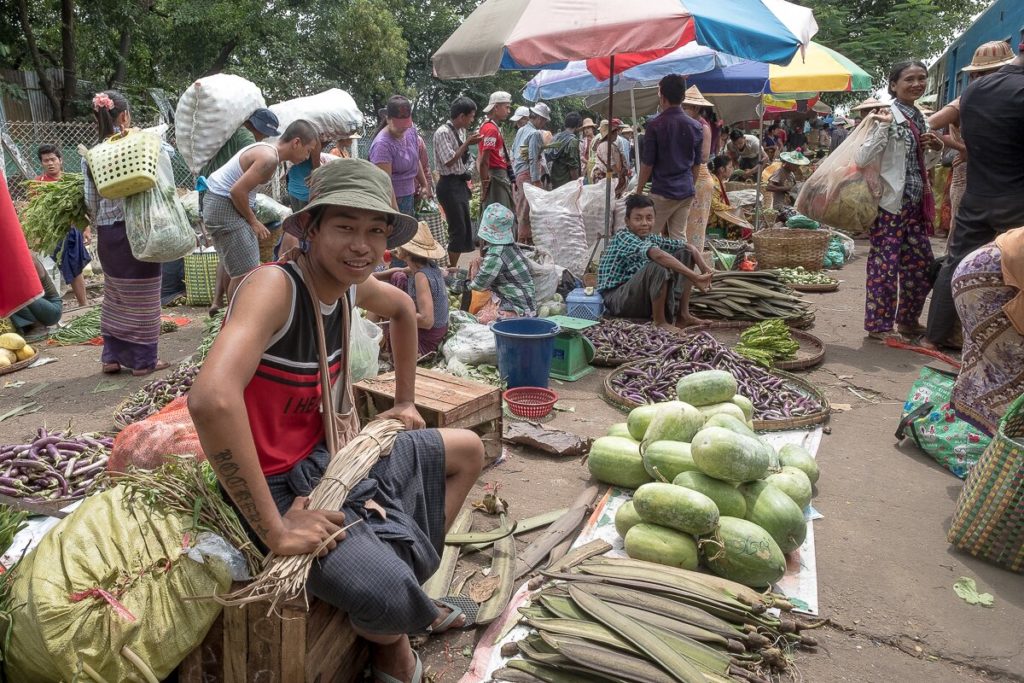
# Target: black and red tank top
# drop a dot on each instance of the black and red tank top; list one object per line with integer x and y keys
{"x": 283, "y": 397}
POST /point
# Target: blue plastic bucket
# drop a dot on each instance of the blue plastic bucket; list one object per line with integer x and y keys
{"x": 525, "y": 347}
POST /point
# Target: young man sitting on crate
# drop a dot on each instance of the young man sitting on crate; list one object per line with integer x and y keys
{"x": 256, "y": 407}
{"x": 647, "y": 276}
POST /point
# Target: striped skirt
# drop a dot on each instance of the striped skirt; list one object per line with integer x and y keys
{"x": 130, "y": 314}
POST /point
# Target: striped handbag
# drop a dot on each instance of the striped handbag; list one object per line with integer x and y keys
{"x": 989, "y": 519}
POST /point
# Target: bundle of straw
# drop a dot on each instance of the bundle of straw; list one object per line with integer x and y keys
{"x": 284, "y": 577}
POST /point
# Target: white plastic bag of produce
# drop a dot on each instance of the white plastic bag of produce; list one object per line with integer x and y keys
{"x": 333, "y": 113}
{"x": 208, "y": 114}
{"x": 364, "y": 348}
{"x": 473, "y": 344}
{"x": 545, "y": 272}
{"x": 157, "y": 227}
{"x": 557, "y": 224}
{"x": 269, "y": 211}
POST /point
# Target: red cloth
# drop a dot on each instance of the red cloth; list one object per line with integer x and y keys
{"x": 19, "y": 282}
{"x": 492, "y": 145}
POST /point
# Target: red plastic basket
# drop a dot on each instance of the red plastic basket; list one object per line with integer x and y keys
{"x": 530, "y": 402}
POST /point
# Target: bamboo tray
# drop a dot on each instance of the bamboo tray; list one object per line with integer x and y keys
{"x": 815, "y": 289}
{"x": 20, "y": 365}
{"x": 810, "y": 354}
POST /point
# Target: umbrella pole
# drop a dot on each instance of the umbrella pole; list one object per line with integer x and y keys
{"x": 608, "y": 159}
{"x": 636, "y": 130}
{"x": 760, "y": 164}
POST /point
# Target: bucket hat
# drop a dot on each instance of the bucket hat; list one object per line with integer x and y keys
{"x": 423, "y": 244}
{"x": 521, "y": 113}
{"x": 990, "y": 56}
{"x": 357, "y": 184}
{"x": 496, "y": 225}
{"x": 588, "y": 123}
{"x": 498, "y": 97}
{"x": 541, "y": 109}
{"x": 795, "y": 158}
{"x": 694, "y": 98}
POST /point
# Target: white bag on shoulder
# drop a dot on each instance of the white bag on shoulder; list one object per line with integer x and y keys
{"x": 208, "y": 114}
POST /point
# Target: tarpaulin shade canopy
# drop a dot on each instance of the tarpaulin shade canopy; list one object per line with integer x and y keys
{"x": 541, "y": 34}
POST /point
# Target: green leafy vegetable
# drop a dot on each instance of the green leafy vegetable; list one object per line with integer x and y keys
{"x": 53, "y": 209}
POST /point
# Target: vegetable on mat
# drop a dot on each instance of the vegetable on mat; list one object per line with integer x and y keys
{"x": 767, "y": 342}
{"x": 82, "y": 329}
{"x": 55, "y": 465}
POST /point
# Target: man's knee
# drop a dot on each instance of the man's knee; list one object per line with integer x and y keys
{"x": 463, "y": 451}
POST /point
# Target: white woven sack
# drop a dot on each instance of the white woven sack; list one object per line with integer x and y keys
{"x": 208, "y": 114}
{"x": 333, "y": 113}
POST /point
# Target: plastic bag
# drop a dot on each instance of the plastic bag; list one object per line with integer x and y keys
{"x": 155, "y": 221}
{"x": 208, "y": 114}
{"x": 557, "y": 224}
{"x": 473, "y": 344}
{"x": 190, "y": 202}
{"x": 364, "y": 348}
{"x": 545, "y": 272}
{"x": 148, "y": 444}
{"x": 333, "y": 113}
{"x": 842, "y": 193}
{"x": 269, "y": 211}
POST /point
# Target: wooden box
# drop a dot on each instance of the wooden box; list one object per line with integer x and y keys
{"x": 443, "y": 400}
{"x": 245, "y": 645}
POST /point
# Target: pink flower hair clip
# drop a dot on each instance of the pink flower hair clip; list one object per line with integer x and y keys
{"x": 102, "y": 101}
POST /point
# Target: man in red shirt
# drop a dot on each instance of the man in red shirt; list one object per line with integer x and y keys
{"x": 73, "y": 254}
{"x": 493, "y": 160}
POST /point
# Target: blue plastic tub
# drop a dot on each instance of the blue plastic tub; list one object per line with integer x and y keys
{"x": 525, "y": 347}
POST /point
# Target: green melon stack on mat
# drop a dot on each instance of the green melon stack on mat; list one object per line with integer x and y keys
{"x": 709, "y": 491}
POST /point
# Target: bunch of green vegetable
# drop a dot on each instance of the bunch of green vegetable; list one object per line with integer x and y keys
{"x": 53, "y": 209}
{"x": 84, "y": 328}
{"x": 767, "y": 342}
{"x": 211, "y": 328}
{"x": 802, "y": 276}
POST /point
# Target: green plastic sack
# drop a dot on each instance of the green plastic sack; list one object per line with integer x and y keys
{"x": 802, "y": 222}
{"x": 931, "y": 422}
{"x": 111, "y": 575}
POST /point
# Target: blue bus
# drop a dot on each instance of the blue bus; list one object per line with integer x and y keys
{"x": 1003, "y": 20}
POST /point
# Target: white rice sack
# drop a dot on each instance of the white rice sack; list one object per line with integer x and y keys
{"x": 333, "y": 113}
{"x": 208, "y": 114}
{"x": 557, "y": 224}
{"x": 592, "y": 201}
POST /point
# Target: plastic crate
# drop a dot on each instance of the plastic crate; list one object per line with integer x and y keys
{"x": 583, "y": 305}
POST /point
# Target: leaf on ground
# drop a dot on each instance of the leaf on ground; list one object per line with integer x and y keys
{"x": 21, "y": 410}
{"x": 967, "y": 589}
{"x": 841, "y": 407}
{"x": 481, "y": 590}
{"x": 14, "y": 385}
{"x": 109, "y": 385}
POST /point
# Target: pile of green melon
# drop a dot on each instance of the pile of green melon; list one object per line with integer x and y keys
{"x": 708, "y": 488}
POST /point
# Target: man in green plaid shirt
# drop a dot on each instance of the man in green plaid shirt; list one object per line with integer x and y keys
{"x": 503, "y": 269}
{"x": 649, "y": 276}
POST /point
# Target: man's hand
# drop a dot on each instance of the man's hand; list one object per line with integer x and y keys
{"x": 261, "y": 230}
{"x": 883, "y": 115}
{"x": 474, "y": 138}
{"x": 703, "y": 282}
{"x": 405, "y": 413}
{"x": 302, "y": 531}
{"x": 474, "y": 267}
{"x": 931, "y": 141}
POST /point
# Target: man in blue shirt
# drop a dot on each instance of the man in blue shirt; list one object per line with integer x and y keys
{"x": 527, "y": 154}
{"x": 671, "y": 159}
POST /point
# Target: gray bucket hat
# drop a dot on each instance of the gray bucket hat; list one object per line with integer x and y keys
{"x": 357, "y": 184}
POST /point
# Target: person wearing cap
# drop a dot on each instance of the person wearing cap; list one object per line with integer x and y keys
{"x": 992, "y": 128}
{"x": 502, "y": 269}
{"x": 493, "y": 160}
{"x": 671, "y": 159}
{"x": 694, "y": 104}
{"x": 587, "y": 132}
{"x": 521, "y": 117}
{"x": 563, "y": 153}
{"x": 395, "y": 149}
{"x": 455, "y": 165}
{"x": 231, "y": 197}
{"x": 423, "y": 281}
{"x": 527, "y": 163}
{"x": 257, "y": 401}
{"x": 614, "y": 165}
{"x": 782, "y": 182}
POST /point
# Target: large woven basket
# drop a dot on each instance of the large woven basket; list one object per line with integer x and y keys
{"x": 200, "y": 277}
{"x": 790, "y": 248}
{"x": 989, "y": 518}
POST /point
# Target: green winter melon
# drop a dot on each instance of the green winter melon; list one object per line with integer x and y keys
{"x": 794, "y": 483}
{"x": 776, "y": 513}
{"x": 676, "y": 507}
{"x": 668, "y": 459}
{"x": 673, "y": 421}
{"x": 619, "y": 429}
{"x": 638, "y": 420}
{"x": 653, "y": 543}
{"x": 706, "y": 387}
{"x": 729, "y": 421}
{"x": 800, "y": 458}
{"x": 745, "y": 404}
{"x": 743, "y": 552}
{"x": 728, "y": 456}
{"x": 727, "y": 498}
{"x": 626, "y": 518}
{"x": 728, "y": 408}
{"x": 616, "y": 460}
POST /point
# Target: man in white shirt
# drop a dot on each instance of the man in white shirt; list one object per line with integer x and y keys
{"x": 745, "y": 151}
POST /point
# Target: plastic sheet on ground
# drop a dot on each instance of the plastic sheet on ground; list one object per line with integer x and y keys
{"x": 799, "y": 585}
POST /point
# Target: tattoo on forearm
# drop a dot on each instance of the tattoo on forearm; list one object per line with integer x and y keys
{"x": 227, "y": 470}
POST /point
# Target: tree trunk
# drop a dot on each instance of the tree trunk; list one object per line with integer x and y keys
{"x": 67, "y": 45}
{"x": 222, "y": 58}
{"x": 124, "y": 46}
{"x": 37, "y": 61}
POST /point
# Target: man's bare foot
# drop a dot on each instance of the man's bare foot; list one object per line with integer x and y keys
{"x": 666, "y": 326}
{"x": 444, "y": 611}
{"x": 689, "y": 321}
{"x": 397, "y": 660}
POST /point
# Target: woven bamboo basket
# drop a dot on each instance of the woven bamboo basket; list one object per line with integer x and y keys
{"x": 790, "y": 248}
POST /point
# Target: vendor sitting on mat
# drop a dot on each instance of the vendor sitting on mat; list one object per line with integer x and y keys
{"x": 424, "y": 282}
{"x": 502, "y": 269}
{"x": 256, "y": 407}
{"x": 647, "y": 276}
{"x": 32, "y": 320}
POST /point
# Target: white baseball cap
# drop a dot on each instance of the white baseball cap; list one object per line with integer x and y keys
{"x": 521, "y": 113}
{"x": 541, "y": 109}
{"x": 499, "y": 97}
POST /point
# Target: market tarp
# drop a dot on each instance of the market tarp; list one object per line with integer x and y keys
{"x": 19, "y": 283}
{"x": 538, "y": 34}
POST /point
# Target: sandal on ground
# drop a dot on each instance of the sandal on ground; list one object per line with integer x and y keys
{"x": 911, "y": 330}
{"x": 111, "y": 368}
{"x": 883, "y": 336}
{"x": 160, "y": 365}
{"x": 460, "y": 605}
{"x": 417, "y": 674}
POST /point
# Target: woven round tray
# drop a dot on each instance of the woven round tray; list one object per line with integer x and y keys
{"x": 815, "y": 289}
{"x": 810, "y": 354}
{"x": 790, "y": 248}
{"x": 20, "y": 365}
{"x": 803, "y": 386}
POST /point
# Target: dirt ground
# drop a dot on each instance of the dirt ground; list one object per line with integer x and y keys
{"x": 885, "y": 571}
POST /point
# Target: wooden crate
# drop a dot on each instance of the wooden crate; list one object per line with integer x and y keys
{"x": 245, "y": 645}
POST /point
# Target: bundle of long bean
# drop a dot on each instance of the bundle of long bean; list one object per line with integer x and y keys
{"x": 156, "y": 394}
{"x": 55, "y": 465}
{"x": 616, "y": 339}
{"x": 654, "y": 379}
{"x": 85, "y": 327}
{"x": 767, "y": 342}
{"x": 211, "y": 328}
{"x": 53, "y": 209}
{"x": 759, "y": 295}
{"x": 284, "y": 577}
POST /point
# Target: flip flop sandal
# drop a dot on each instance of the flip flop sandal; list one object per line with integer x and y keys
{"x": 160, "y": 365}
{"x": 460, "y": 605}
{"x": 111, "y": 368}
{"x": 417, "y": 674}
